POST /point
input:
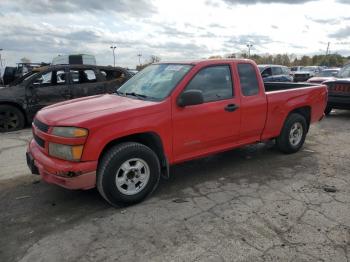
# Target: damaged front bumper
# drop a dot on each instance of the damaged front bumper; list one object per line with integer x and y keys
{"x": 70, "y": 175}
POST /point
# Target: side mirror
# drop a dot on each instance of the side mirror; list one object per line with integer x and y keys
{"x": 190, "y": 98}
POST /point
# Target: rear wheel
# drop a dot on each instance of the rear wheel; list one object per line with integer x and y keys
{"x": 11, "y": 118}
{"x": 128, "y": 173}
{"x": 293, "y": 134}
{"x": 328, "y": 110}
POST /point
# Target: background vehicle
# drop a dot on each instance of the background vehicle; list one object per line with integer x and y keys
{"x": 275, "y": 73}
{"x": 294, "y": 69}
{"x": 78, "y": 59}
{"x": 339, "y": 90}
{"x": 44, "y": 86}
{"x": 166, "y": 114}
{"x": 13, "y": 73}
{"x": 306, "y": 72}
{"x": 324, "y": 75}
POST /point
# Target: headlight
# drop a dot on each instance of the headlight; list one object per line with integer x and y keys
{"x": 69, "y": 132}
{"x": 66, "y": 152}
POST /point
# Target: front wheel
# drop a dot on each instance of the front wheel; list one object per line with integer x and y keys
{"x": 128, "y": 173}
{"x": 293, "y": 134}
{"x": 11, "y": 118}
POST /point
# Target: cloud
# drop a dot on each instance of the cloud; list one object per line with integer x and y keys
{"x": 173, "y": 31}
{"x": 252, "y": 2}
{"x": 330, "y": 21}
{"x": 342, "y": 33}
{"x": 344, "y": 1}
{"x": 253, "y": 39}
{"x": 141, "y": 7}
{"x": 215, "y": 25}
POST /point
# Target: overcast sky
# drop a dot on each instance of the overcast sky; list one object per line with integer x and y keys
{"x": 172, "y": 30}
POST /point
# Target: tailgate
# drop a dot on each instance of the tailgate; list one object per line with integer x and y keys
{"x": 339, "y": 89}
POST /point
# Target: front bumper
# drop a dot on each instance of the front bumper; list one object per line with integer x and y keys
{"x": 71, "y": 175}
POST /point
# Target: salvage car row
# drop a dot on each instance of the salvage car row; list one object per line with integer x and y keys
{"x": 47, "y": 85}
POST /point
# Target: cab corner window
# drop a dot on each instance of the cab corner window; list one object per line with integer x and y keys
{"x": 215, "y": 83}
{"x": 248, "y": 79}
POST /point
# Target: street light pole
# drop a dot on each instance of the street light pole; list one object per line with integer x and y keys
{"x": 1, "y": 65}
{"x": 249, "y": 47}
{"x": 139, "y": 55}
{"x": 113, "y": 47}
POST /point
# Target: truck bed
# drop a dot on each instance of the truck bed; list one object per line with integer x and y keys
{"x": 283, "y": 98}
{"x": 273, "y": 86}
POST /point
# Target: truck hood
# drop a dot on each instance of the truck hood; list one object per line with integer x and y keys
{"x": 82, "y": 110}
{"x": 304, "y": 72}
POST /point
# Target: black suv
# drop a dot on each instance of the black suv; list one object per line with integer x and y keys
{"x": 44, "y": 86}
{"x": 339, "y": 91}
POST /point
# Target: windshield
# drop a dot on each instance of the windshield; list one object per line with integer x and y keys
{"x": 23, "y": 78}
{"x": 261, "y": 68}
{"x": 328, "y": 73}
{"x": 155, "y": 81}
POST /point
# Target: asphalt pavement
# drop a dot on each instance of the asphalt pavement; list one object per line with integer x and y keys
{"x": 248, "y": 204}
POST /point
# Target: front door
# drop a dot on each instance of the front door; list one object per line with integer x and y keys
{"x": 47, "y": 88}
{"x": 200, "y": 129}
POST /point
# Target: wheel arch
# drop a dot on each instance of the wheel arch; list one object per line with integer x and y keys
{"x": 19, "y": 107}
{"x": 305, "y": 111}
{"x": 149, "y": 139}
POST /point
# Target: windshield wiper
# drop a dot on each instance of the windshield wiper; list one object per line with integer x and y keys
{"x": 119, "y": 93}
{"x": 140, "y": 96}
{"x": 136, "y": 95}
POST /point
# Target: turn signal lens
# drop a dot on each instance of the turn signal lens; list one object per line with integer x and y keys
{"x": 66, "y": 152}
{"x": 77, "y": 151}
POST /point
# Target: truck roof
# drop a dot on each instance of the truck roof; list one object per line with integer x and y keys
{"x": 44, "y": 68}
{"x": 206, "y": 61}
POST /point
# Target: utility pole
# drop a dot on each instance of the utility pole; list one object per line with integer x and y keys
{"x": 1, "y": 65}
{"x": 113, "y": 47}
{"x": 249, "y": 47}
{"x": 327, "y": 52}
{"x": 139, "y": 55}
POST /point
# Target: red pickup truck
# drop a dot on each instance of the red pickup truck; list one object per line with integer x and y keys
{"x": 166, "y": 114}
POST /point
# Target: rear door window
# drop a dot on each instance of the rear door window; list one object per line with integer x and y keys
{"x": 277, "y": 71}
{"x": 81, "y": 76}
{"x": 248, "y": 79}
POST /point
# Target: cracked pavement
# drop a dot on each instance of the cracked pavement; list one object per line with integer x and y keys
{"x": 248, "y": 204}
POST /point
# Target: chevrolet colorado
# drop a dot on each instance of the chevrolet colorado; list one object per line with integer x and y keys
{"x": 168, "y": 113}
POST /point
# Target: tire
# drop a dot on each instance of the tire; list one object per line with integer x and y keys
{"x": 11, "y": 118}
{"x": 328, "y": 110}
{"x": 287, "y": 142}
{"x": 123, "y": 166}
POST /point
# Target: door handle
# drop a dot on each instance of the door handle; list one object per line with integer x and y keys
{"x": 231, "y": 107}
